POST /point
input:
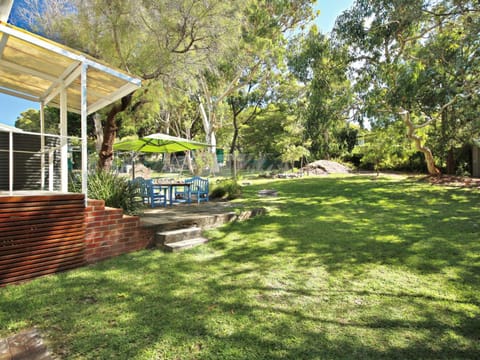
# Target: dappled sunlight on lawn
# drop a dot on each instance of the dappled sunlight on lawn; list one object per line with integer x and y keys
{"x": 343, "y": 267}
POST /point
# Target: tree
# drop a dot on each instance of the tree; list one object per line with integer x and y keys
{"x": 238, "y": 103}
{"x": 322, "y": 67}
{"x": 384, "y": 148}
{"x": 164, "y": 40}
{"x": 400, "y": 67}
{"x": 29, "y": 120}
{"x": 450, "y": 85}
{"x": 253, "y": 60}
{"x": 276, "y": 133}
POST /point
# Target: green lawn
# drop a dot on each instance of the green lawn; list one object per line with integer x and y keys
{"x": 340, "y": 268}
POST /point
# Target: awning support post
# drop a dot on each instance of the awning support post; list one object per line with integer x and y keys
{"x": 10, "y": 162}
{"x": 51, "y": 154}
{"x": 63, "y": 141}
{"x": 84, "y": 113}
{"x": 42, "y": 146}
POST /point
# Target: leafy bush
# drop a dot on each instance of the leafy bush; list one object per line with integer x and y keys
{"x": 115, "y": 190}
{"x": 229, "y": 189}
{"x": 463, "y": 169}
{"x": 218, "y": 193}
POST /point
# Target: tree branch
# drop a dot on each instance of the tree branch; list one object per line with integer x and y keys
{"x": 411, "y": 128}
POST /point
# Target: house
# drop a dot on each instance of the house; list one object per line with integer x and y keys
{"x": 37, "y": 69}
{"x": 27, "y": 159}
{"x": 42, "y": 225}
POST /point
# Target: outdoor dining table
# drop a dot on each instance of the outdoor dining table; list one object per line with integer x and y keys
{"x": 172, "y": 186}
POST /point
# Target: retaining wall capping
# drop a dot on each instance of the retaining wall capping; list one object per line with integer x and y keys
{"x": 110, "y": 233}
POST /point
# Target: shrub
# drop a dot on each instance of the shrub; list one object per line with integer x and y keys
{"x": 229, "y": 189}
{"x": 463, "y": 169}
{"x": 218, "y": 193}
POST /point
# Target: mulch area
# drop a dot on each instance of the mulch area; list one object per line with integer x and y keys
{"x": 450, "y": 180}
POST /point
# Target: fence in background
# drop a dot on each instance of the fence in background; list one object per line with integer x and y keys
{"x": 178, "y": 164}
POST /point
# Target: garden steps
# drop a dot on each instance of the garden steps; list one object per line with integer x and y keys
{"x": 184, "y": 244}
{"x": 167, "y": 237}
{"x": 186, "y": 222}
{"x": 179, "y": 239}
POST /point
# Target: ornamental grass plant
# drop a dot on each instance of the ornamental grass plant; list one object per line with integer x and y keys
{"x": 117, "y": 191}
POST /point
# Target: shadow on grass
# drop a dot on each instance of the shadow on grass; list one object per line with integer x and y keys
{"x": 341, "y": 269}
{"x": 360, "y": 221}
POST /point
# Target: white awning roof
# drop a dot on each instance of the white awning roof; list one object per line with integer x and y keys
{"x": 36, "y": 69}
{"x": 8, "y": 128}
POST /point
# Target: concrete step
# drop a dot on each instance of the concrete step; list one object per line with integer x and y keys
{"x": 184, "y": 244}
{"x": 171, "y": 236}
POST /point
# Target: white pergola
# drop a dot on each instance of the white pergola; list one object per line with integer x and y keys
{"x": 40, "y": 70}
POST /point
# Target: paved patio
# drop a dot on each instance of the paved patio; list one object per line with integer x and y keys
{"x": 204, "y": 215}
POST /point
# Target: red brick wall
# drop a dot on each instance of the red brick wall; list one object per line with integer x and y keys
{"x": 111, "y": 233}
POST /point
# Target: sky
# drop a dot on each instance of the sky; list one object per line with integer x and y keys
{"x": 11, "y": 107}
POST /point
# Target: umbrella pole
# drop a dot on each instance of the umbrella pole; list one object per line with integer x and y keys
{"x": 133, "y": 166}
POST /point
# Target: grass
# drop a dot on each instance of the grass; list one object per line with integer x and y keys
{"x": 341, "y": 268}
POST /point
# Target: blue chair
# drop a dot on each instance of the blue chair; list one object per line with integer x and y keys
{"x": 151, "y": 194}
{"x": 199, "y": 188}
{"x": 142, "y": 187}
{"x": 157, "y": 195}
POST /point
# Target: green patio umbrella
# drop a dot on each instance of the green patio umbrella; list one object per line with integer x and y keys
{"x": 157, "y": 143}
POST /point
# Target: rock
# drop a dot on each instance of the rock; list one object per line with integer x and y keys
{"x": 325, "y": 167}
{"x": 266, "y": 192}
{"x": 290, "y": 175}
{"x": 27, "y": 345}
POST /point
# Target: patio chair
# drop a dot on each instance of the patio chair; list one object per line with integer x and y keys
{"x": 151, "y": 194}
{"x": 157, "y": 194}
{"x": 198, "y": 189}
{"x": 141, "y": 183}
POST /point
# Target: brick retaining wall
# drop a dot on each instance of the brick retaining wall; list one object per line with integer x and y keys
{"x": 110, "y": 233}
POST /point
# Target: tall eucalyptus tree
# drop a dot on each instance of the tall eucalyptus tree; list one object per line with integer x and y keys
{"x": 322, "y": 67}
{"x": 156, "y": 40}
{"x": 255, "y": 59}
{"x": 416, "y": 61}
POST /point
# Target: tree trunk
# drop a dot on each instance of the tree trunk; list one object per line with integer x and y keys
{"x": 188, "y": 154}
{"x": 105, "y": 157}
{"x": 326, "y": 138}
{"x": 208, "y": 121}
{"x": 234, "y": 167}
{"x": 450, "y": 162}
{"x": 233, "y": 145}
{"x": 188, "y": 159}
{"x": 432, "y": 169}
{"x": 98, "y": 132}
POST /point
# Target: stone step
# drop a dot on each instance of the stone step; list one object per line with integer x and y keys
{"x": 184, "y": 244}
{"x": 171, "y": 236}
